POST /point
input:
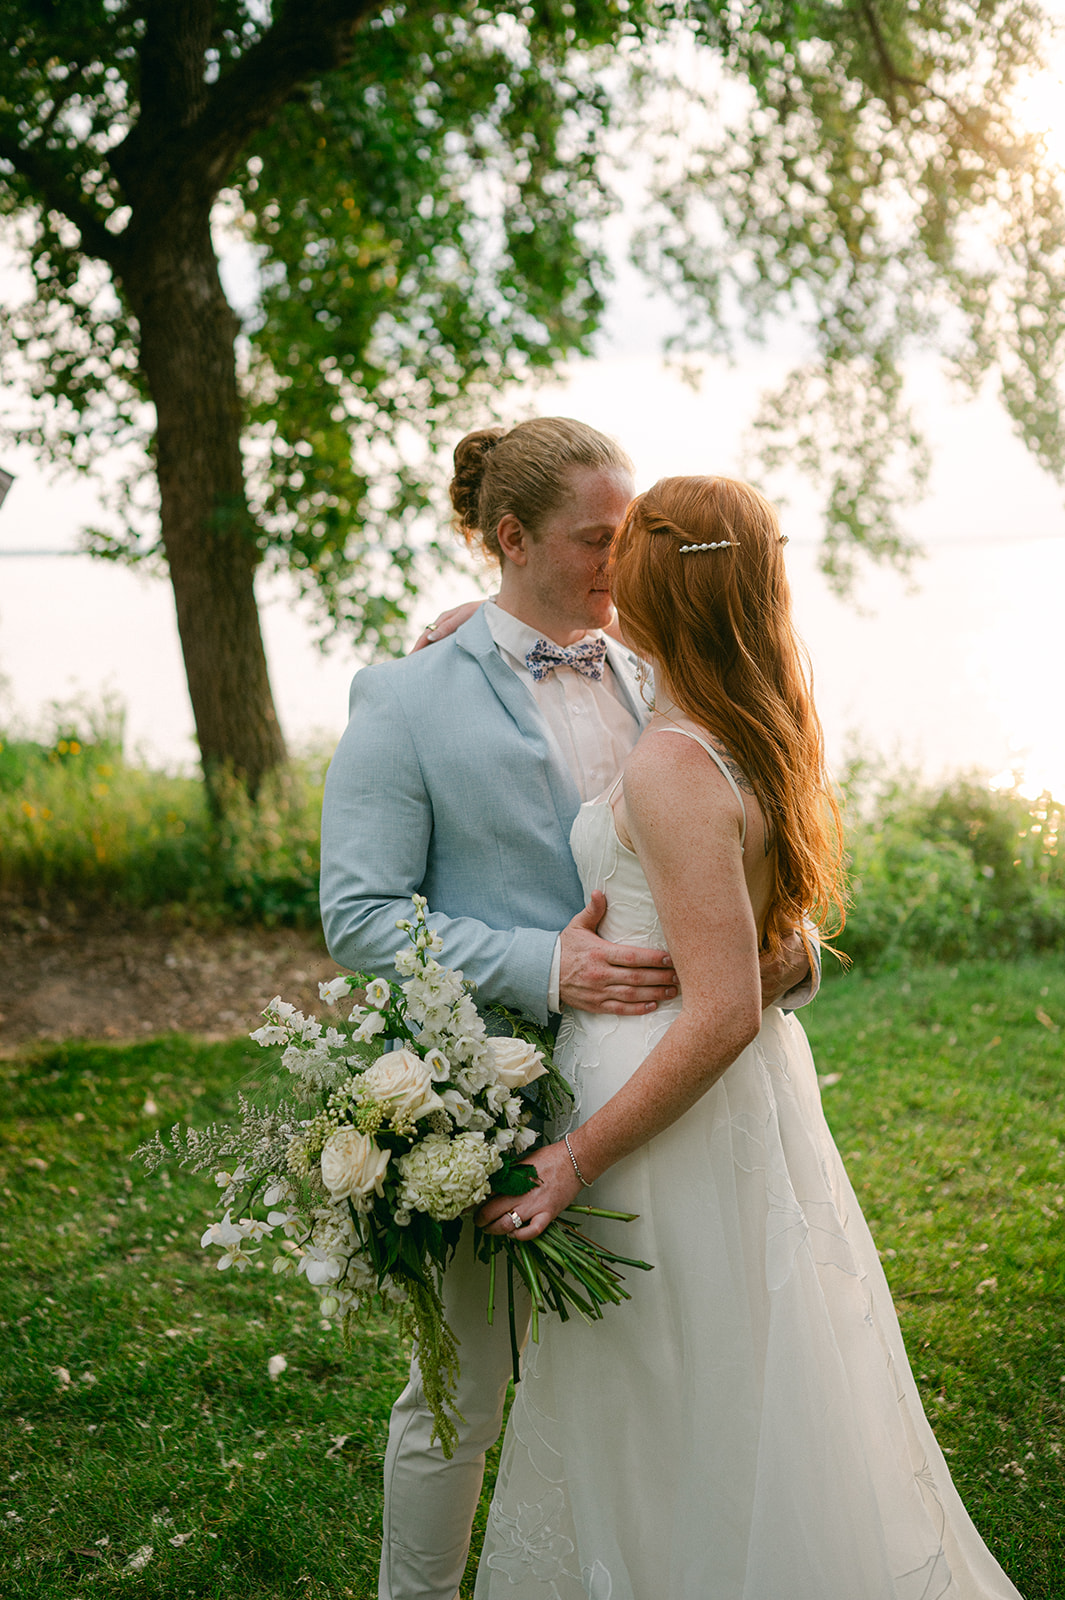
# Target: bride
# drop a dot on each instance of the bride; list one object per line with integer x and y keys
{"x": 747, "y": 1427}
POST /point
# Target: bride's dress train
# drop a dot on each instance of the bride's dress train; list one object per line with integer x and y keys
{"x": 747, "y": 1426}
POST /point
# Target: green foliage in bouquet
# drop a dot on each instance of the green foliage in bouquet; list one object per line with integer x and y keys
{"x": 417, "y": 1115}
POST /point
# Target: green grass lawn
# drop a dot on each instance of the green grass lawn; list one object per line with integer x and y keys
{"x": 138, "y": 1410}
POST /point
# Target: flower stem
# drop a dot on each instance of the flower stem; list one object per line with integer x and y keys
{"x": 514, "y": 1359}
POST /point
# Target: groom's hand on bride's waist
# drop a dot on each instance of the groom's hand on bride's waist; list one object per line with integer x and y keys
{"x": 596, "y": 975}
{"x": 783, "y": 971}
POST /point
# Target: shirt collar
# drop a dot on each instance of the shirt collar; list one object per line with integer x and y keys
{"x": 513, "y": 635}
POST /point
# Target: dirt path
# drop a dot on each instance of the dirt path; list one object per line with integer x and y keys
{"x": 129, "y": 980}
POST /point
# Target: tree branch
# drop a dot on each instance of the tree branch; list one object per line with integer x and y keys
{"x": 917, "y": 87}
{"x": 894, "y": 78}
{"x": 309, "y": 38}
{"x": 59, "y": 195}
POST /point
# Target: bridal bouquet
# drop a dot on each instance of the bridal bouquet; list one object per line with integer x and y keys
{"x": 418, "y": 1116}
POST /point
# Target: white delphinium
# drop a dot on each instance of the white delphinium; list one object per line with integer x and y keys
{"x": 378, "y": 994}
{"x": 458, "y": 1108}
{"x": 370, "y": 1026}
{"x": 496, "y": 1097}
{"x": 270, "y": 1033}
{"x": 443, "y": 1176}
{"x": 335, "y": 990}
{"x": 438, "y": 1065}
{"x": 406, "y": 961}
{"x": 475, "y": 1074}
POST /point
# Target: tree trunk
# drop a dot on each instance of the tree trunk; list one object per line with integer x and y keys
{"x": 170, "y": 274}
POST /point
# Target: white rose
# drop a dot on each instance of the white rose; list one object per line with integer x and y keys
{"x": 352, "y": 1164}
{"x": 401, "y": 1081}
{"x": 515, "y": 1062}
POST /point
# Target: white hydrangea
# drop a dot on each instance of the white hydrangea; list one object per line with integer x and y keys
{"x": 444, "y": 1175}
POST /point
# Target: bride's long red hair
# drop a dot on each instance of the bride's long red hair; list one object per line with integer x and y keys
{"x": 717, "y": 622}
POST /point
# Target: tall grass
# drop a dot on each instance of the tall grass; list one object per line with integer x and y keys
{"x": 948, "y": 872}
{"x": 83, "y": 827}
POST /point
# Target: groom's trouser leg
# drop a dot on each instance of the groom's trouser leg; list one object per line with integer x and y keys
{"x": 429, "y": 1502}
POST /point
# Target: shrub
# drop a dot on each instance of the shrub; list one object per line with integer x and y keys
{"x": 81, "y": 827}
{"x": 950, "y": 873}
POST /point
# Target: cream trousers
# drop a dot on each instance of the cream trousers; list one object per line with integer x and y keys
{"x": 430, "y": 1502}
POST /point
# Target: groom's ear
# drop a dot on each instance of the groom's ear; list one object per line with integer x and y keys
{"x": 513, "y": 539}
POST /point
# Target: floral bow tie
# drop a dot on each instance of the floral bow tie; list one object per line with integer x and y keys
{"x": 585, "y": 657}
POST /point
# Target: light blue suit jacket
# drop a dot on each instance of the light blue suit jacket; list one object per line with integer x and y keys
{"x": 446, "y": 783}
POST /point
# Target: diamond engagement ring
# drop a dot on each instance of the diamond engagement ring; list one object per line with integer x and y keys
{"x": 519, "y": 1222}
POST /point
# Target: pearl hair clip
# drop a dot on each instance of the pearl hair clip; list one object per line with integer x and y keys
{"x": 722, "y": 544}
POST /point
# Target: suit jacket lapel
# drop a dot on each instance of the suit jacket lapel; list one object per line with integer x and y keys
{"x": 476, "y": 640}
{"x": 624, "y": 664}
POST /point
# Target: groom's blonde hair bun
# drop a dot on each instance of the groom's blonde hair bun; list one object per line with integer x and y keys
{"x": 522, "y": 470}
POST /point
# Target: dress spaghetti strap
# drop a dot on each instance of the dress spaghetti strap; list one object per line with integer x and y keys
{"x": 719, "y": 761}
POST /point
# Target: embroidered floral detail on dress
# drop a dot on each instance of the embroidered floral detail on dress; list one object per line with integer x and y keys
{"x": 531, "y": 1543}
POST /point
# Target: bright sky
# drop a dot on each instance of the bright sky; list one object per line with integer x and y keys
{"x": 958, "y": 669}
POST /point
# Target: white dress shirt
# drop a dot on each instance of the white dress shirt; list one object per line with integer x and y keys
{"x": 589, "y": 723}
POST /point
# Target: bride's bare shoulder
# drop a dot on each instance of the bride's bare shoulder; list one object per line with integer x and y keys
{"x": 664, "y": 762}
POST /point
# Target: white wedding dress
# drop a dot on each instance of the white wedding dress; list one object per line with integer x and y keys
{"x": 747, "y": 1426}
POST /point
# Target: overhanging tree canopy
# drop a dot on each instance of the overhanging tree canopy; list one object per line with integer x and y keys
{"x": 422, "y": 185}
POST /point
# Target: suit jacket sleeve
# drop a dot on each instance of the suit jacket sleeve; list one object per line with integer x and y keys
{"x": 806, "y": 991}
{"x": 377, "y": 829}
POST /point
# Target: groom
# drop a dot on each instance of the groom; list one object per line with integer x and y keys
{"x": 459, "y": 776}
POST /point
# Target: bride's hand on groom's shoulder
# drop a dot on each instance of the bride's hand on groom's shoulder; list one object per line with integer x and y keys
{"x": 445, "y": 623}
{"x": 558, "y": 1188}
{"x": 596, "y": 975}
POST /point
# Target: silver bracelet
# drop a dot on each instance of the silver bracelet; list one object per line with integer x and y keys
{"x": 580, "y": 1175}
